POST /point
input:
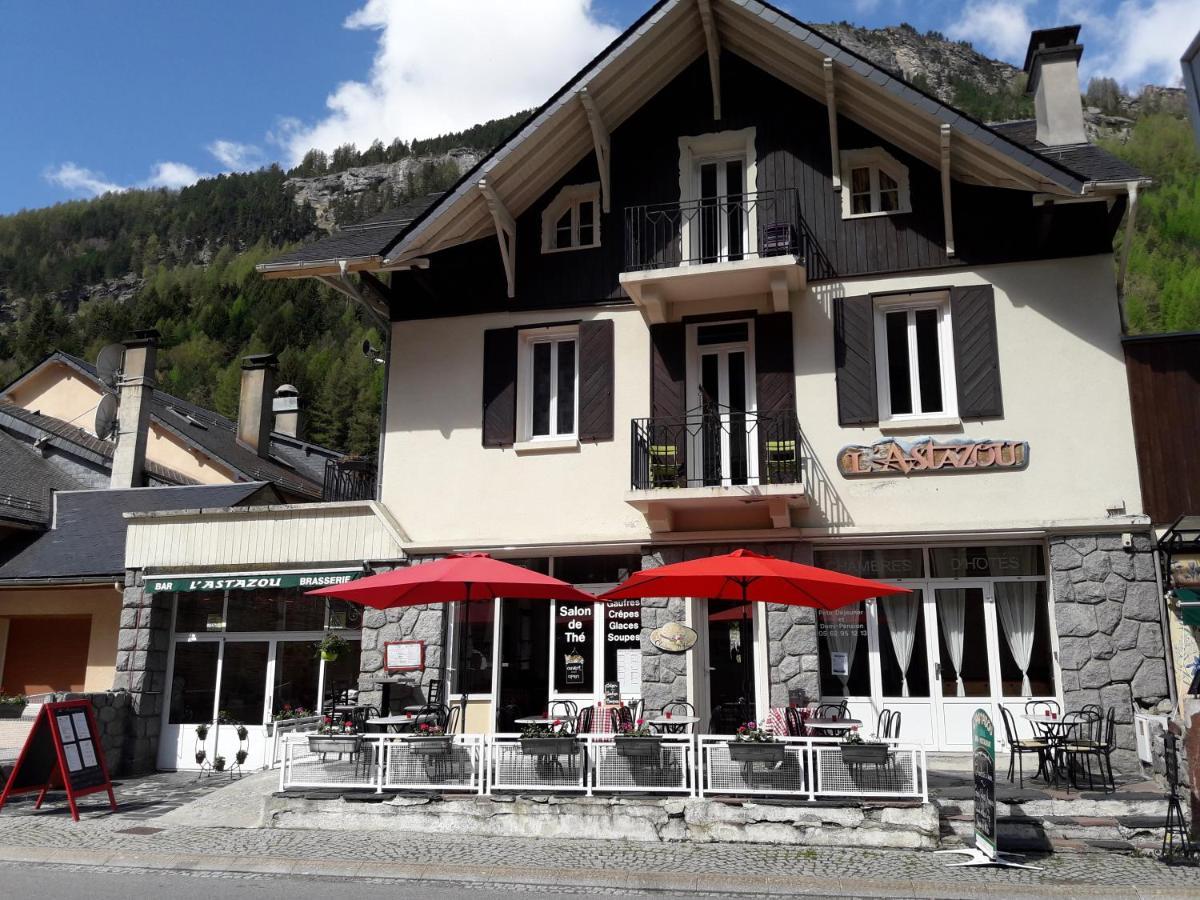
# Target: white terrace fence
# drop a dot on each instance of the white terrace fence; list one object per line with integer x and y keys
{"x": 695, "y": 766}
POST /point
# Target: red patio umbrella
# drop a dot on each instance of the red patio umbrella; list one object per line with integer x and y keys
{"x": 750, "y": 577}
{"x": 459, "y": 577}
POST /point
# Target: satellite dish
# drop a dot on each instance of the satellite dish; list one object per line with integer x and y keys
{"x": 108, "y": 363}
{"x": 106, "y": 417}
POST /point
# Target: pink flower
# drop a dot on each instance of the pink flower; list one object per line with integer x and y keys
{"x": 751, "y": 725}
{"x": 424, "y": 726}
{"x": 641, "y": 722}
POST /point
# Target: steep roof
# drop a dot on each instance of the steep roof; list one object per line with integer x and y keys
{"x": 86, "y": 538}
{"x": 1090, "y": 162}
{"x": 26, "y": 483}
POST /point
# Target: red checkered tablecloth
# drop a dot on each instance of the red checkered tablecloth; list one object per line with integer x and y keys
{"x": 776, "y": 721}
{"x": 601, "y": 720}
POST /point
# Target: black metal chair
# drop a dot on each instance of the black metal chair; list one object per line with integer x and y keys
{"x": 1019, "y": 747}
{"x": 679, "y": 708}
{"x": 1175, "y": 828}
{"x": 360, "y": 718}
{"x": 587, "y": 717}
{"x": 622, "y": 718}
{"x": 433, "y": 693}
{"x": 453, "y": 719}
{"x": 834, "y": 711}
{"x": 791, "y": 719}
{"x": 1042, "y": 707}
{"x": 565, "y": 710}
{"x": 1092, "y": 737}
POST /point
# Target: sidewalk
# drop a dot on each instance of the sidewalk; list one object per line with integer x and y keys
{"x": 215, "y": 832}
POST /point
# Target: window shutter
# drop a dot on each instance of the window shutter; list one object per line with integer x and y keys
{"x": 976, "y": 353}
{"x": 854, "y": 361}
{"x": 668, "y": 372}
{"x": 775, "y": 378}
{"x": 499, "y": 387}
{"x": 596, "y": 380}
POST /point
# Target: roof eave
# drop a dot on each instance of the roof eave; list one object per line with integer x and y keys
{"x": 328, "y": 266}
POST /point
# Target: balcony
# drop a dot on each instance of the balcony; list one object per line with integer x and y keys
{"x": 717, "y": 469}
{"x": 729, "y": 246}
{"x": 349, "y": 478}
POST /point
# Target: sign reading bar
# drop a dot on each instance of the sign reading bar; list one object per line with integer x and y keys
{"x": 926, "y": 455}
{"x": 250, "y": 582}
{"x": 404, "y": 656}
{"x": 61, "y": 752}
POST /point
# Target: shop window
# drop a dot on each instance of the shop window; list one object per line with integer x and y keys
{"x": 297, "y": 674}
{"x": 244, "y": 681}
{"x": 200, "y": 612}
{"x": 477, "y": 638}
{"x": 341, "y": 676}
{"x": 574, "y": 647}
{"x": 596, "y": 569}
{"x": 844, "y": 658}
{"x": 1024, "y": 624}
{"x": 623, "y": 645}
{"x": 914, "y": 358}
{"x": 1002, "y": 561}
{"x": 962, "y": 643}
{"x": 885, "y": 564}
{"x": 194, "y": 682}
{"x": 903, "y": 661}
{"x": 274, "y": 610}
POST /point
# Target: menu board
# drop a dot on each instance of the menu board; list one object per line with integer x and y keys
{"x": 574, "y": 647}
{"x": 629, "y": 672}
{"x": 623, "y": 645}
{"x": 404, "y": 656}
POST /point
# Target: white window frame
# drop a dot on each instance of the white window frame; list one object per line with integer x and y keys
{"x": 939, "y": 300}
{"x": 569, "y": 199}
{"x": 875, "y": 159}
{"x": 527, "y": 339}
{"x": 719, "y": 146}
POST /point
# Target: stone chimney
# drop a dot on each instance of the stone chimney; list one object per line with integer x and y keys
{"x": 287, "y": 410}
{"x": 1052, "y": 64}
{"x": 133, "y": 417}
{"x": 254, "y": 402}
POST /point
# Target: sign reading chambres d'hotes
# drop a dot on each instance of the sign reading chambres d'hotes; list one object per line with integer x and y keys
{"x": 929, "y": 456}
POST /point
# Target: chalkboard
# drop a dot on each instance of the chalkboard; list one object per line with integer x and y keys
{"x": 62, "y": 751}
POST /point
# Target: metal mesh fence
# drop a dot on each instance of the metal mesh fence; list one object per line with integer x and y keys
{"x": 778, "y": 768}
{"x": 659, "y": 767}
{"x": 456, "y": 764}
{"x": 561, "y": 767}
{"x": 307, "y": 764}
{"x": 899, "y": 774}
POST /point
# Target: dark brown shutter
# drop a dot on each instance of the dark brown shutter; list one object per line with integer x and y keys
{"x": 775, "y": 386}
{"x": 668, "y": 371}
{"x": 499, "y": 387}
{"x": 660, "y": 449}
{"x": 596, "y": 380}
{"x": 854, "y": 360}
{"x": 976, "y": 354}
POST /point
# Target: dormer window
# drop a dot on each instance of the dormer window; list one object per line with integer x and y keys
{"x": 876, "y": 184}
{"x": 572, "y": 220}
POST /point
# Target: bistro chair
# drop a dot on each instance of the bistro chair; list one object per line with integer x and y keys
{"x": 792, "y": 722}
{"x": 1042, "y": 707}
{"x": 360, "y": 718}
{"x": 678, "y": 708}
{"x": 888, "y": 725}
{"x": 1019, "y": 747}
{"x": 1101, "y": 743}
{"x": 666, "y": 465}
{"x": 453, "y": 718}
{"x": 829, "y": 711}
{"x": 783, "y": 464}
{"x": 433, "y": 693}
{"x": 587, "y": 717}
{"x": 565, "y": 710}
{"x": 621, "y": 717}
{"x": 637, "y": 708}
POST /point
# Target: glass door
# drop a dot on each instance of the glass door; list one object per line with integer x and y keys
{"x": 898, "y": 624}
{"x": 964, "y": 675}
{"x": 722, "y": 216}
{"x": 730, "y": 646}
{"x": 722, "y": 381}
{"x": 524, "y": 683}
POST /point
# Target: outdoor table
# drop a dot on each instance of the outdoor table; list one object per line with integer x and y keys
{"x": 1048, "y": 727}
{"x": 666, "y": 723}
{"x": 392, "y": 723}
{"x": 833, "y": 724}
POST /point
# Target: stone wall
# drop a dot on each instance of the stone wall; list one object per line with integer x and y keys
{"x": 141, "y": 670}
{"x": 114, "y": 713}
{"x": 1107, "y": 606}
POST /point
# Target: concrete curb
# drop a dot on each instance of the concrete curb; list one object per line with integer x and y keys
{"x": 513, "y": 876}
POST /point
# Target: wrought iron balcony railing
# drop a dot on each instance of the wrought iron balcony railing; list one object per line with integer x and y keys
{"x": 721, "y": 229}
{"x": 716, "y": 448}
{"x": 350, "y": 478}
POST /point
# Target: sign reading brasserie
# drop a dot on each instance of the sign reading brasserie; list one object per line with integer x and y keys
{"x": 248, "y": 582}
{"x": 926, "y": 455}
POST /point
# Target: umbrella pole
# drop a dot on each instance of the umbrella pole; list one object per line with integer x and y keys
{"x": 462, "y": 662}
{"x": 747, "y": 644}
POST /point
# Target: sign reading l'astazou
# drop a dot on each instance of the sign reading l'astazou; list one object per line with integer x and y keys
{"x": 250, "y": 582}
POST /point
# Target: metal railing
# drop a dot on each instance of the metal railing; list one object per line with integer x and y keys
{"x": 350, "y": 478}
{"x": 806, "y": 769}
{"x": 721, "y": 229}
{"x": 716, "y": 448}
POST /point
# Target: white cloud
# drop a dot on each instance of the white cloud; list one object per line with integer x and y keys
{"x": 79, "y": 180}
{"x": 445, "y": 66}
{"x": 173, "y": 175}
{"x": 999, "y": 27}
{"x": 1136, "y": 43}
{"x": 236, "y": 157}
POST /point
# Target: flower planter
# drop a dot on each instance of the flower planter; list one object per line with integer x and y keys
{"x": 638, "y": 746}
{"x": 756, "y": 751}
{"x": 329, "y": 655}
{"x": 333, "y": 743}
{"x": 432, "y": 744}
{"x": 11, "y": 710}
{"x": 548, "y": 746}
{"x": 864, "y": 754}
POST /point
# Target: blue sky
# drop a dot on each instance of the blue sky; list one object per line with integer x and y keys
{"x": 125, "y": 93}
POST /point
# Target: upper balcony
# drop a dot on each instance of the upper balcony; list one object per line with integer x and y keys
{"x": 348, "y": 478}
{"x": 735, "y": 245}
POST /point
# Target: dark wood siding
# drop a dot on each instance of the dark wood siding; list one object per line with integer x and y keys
{"x": 596, "y": 380}
{"x": 775, "y": 376}
{"x": 499, "y": 387}
{"x": 976, "y": 354}
{"x": 854, "y": 360}
{"x": 1164, "y": 391}
{"x": 991, "y": 224}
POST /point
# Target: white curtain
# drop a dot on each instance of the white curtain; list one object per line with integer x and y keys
{"x": 1017, "y": 606}
{"x": 952, "y": 612}
{"x": 842, "y": 627}
{"x": 901, "y": 612}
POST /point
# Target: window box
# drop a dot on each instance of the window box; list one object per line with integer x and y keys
{"x": 866, "y": 753}
{"x": 431, "y": 744}
{"x": 549, "y": 746}
{"x": 638, "y": 746}
{"x": 11, "y": 710}
{"x": 756, "y": 751}
{"x": 331, "y": 743}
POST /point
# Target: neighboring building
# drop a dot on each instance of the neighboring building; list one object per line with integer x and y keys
{"x": 732, "y": 286}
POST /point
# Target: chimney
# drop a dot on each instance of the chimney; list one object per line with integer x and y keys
{"x": 287, "y": 410}
{"x": 133, "y": 416}
{"x": 1052, "y": 64}
{"x": 254, "y": 402}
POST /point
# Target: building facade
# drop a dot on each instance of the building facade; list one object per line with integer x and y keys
{"x": 733, "y": 286}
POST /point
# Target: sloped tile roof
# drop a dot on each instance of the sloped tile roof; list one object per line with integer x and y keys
{"x": 26, "y": 482}
{"x": 1090, "y": 162}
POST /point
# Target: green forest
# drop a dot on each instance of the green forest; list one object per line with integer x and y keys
{"x": 196, "y": 250}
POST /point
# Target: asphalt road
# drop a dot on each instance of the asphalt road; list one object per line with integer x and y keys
{"x": 42, "y": 882}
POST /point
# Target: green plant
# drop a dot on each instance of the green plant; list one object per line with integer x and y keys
{"x": 332, "y": 646}
{"x": 329, "y": 726}
{"x": 292, "y": 712}
{"x": 241, "y": 756}
{"x": 200, "y": 757}
{"x": 13, "y": 700}
{"x": 202, "y": 731}
{"x": 218, "y": 764}
{"x": 640, "y": 729}
{"x": 242, "y": 732}
{"x": 430, "y": 729}
{"x": 553, "y": 729}
{"x": 751, "y": 733}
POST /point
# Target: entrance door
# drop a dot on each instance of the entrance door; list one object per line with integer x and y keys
{"x": 731, "y": 676}
{"x": 965, "y": 639}
{"x": 524, "y": 661}
{"x": 722, "y": 381}
{"x": 722, "y": 216}
{"x": 897, "y": 625}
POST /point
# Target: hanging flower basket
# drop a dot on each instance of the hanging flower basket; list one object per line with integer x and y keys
{"x": 645, "y": 746}
{"x": 866, "y": 753}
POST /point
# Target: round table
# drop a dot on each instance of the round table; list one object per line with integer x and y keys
{"x": 833, "y": 724}
{"x": 394, "y": 722}
{"x": 675, "y": 724}
{"x": 544, "y": 720}
{"x": 1047, "y": 727}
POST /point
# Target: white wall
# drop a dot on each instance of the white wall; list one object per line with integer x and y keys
{"x": 1064, "y": 389}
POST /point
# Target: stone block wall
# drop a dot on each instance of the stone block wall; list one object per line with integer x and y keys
{"x": 1107, "y": 606}
{"x": 141, "y": 670}
{"x": 113, "y": 711}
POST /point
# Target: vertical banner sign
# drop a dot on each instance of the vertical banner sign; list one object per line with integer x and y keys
{"x": 62, "y": 752}
{"x": 984, "y": 763}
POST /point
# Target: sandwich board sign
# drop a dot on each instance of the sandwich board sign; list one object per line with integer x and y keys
{"x": 983, "y": 769}
{"x": 62, "y": 752}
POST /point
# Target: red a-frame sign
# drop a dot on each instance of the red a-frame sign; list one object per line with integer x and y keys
{"x": 62, "y": 751}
